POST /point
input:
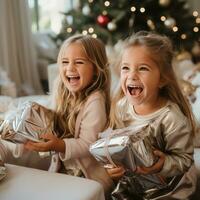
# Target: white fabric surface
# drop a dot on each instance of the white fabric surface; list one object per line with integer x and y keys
{"x": 24, "y": 183}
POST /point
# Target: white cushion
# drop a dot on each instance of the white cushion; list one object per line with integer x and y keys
{"x": 24, "y": 183}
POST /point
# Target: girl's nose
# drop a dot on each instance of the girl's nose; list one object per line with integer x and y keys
{"x": 133, "y": 75}
{"x": 70, "y": 66}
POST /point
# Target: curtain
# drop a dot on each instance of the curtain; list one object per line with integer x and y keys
{"x": 17, "y": 51}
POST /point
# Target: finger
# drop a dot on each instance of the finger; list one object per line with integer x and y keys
{"x": 151, "y": 170}
{"x": 158, "y": 153}
{"x": 154, "y": 168}
{"x": 116, "y": 175}
{"x": 46, "y": 136}
{"x": 116, "y": 170}
{"x": 29, "y": 144}
{"x": 42, "y": 146}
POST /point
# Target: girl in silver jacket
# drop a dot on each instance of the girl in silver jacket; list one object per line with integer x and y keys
{"x": 150, "y": 94}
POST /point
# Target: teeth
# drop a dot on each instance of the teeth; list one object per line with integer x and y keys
{"x": 134, "y": 86}
{"x": 134, "y": 89}
{"x": 72, "y": 76}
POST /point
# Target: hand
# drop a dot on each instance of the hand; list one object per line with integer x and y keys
{"x": 116, "y": 172}
{"x": 52, "y": 143}
{"x": 154, "y": 168}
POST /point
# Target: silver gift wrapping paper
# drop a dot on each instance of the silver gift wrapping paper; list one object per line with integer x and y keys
{"x": 129, "y": 146}
{"x": 30, "y": 120}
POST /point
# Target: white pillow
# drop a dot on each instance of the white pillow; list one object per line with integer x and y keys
{"x": 5, "y": 101}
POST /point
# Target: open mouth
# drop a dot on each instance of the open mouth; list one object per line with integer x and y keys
{"x": 73, "y": 78}
{"x": 135, "y": 90}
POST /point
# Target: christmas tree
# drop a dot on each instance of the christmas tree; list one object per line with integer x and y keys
{"x": 113, "y": 20}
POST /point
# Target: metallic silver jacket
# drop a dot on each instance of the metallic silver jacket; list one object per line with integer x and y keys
{"x": 172, "y": 133}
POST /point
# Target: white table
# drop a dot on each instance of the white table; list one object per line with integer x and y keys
{"x": 24, "y": 183}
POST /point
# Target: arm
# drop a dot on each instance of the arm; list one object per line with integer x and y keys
{"x": 93, "y": 121}
{"x": 52, "y": 143}
{"x": 179, "y": 147}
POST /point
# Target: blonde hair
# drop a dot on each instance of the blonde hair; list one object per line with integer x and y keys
{"x": 68, "y": 105}
{"x": 162, "y": 50}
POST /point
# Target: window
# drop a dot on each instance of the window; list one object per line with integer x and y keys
{"x": 47, "y": 14}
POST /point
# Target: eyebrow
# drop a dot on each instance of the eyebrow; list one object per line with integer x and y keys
{"x": 79, "y": 58}
{"x": 124, "y": 63}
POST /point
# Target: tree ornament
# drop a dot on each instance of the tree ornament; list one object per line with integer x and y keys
{"x": 111, "y": 26}
{"x": 86, "y": 10}
{"x": 164, "y": 3}
{"x": 151, "y": 24}
{"x": 170, "y": 22}
{"x": 103, "y": 20}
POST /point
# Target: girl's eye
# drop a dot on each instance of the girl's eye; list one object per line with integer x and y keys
{"x": 143, "y": 68}
{"x": 64, "y": 62}
{"x": 79, "y": 62}
{"x": 124, "y": 68}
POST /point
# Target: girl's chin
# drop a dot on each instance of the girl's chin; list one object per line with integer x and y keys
{"x": 134, "y": 100}
{"x": 73, "y": 89}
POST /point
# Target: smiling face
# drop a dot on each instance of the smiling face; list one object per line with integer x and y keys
{"x": 140, "y": 79}
{"x": 76, "y": 70}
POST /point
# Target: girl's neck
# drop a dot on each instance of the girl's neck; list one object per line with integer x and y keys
{"x": 150, "y": 108}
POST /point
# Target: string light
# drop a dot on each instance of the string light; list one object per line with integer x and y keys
{"x": 142, "y": 9}
{"x": 84, "y": 32}
{"x": 175, "y": 28}
{"x": 183, "y": 36}
{"x": 133, "y": 9}
{"x": 90, "y": 30}
{"x": 195, "y": 13}
{"x": 104, "y": 12}
{"x": 196, "y": 29}
{"x": 69, "y": 29}
{"x": 162, "y": 18}
{"x": 106, "y": 3}
{"x": 94, "y": 35}
{"x": 198, "y": 20}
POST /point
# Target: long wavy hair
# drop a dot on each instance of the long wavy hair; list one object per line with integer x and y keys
{"x": 68, "y": 105}
{"x": 162, "y": 52}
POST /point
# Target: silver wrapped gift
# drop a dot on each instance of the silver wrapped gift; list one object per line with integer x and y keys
{"x": 27, "y": 123}
{"x": 129, "y": 146}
